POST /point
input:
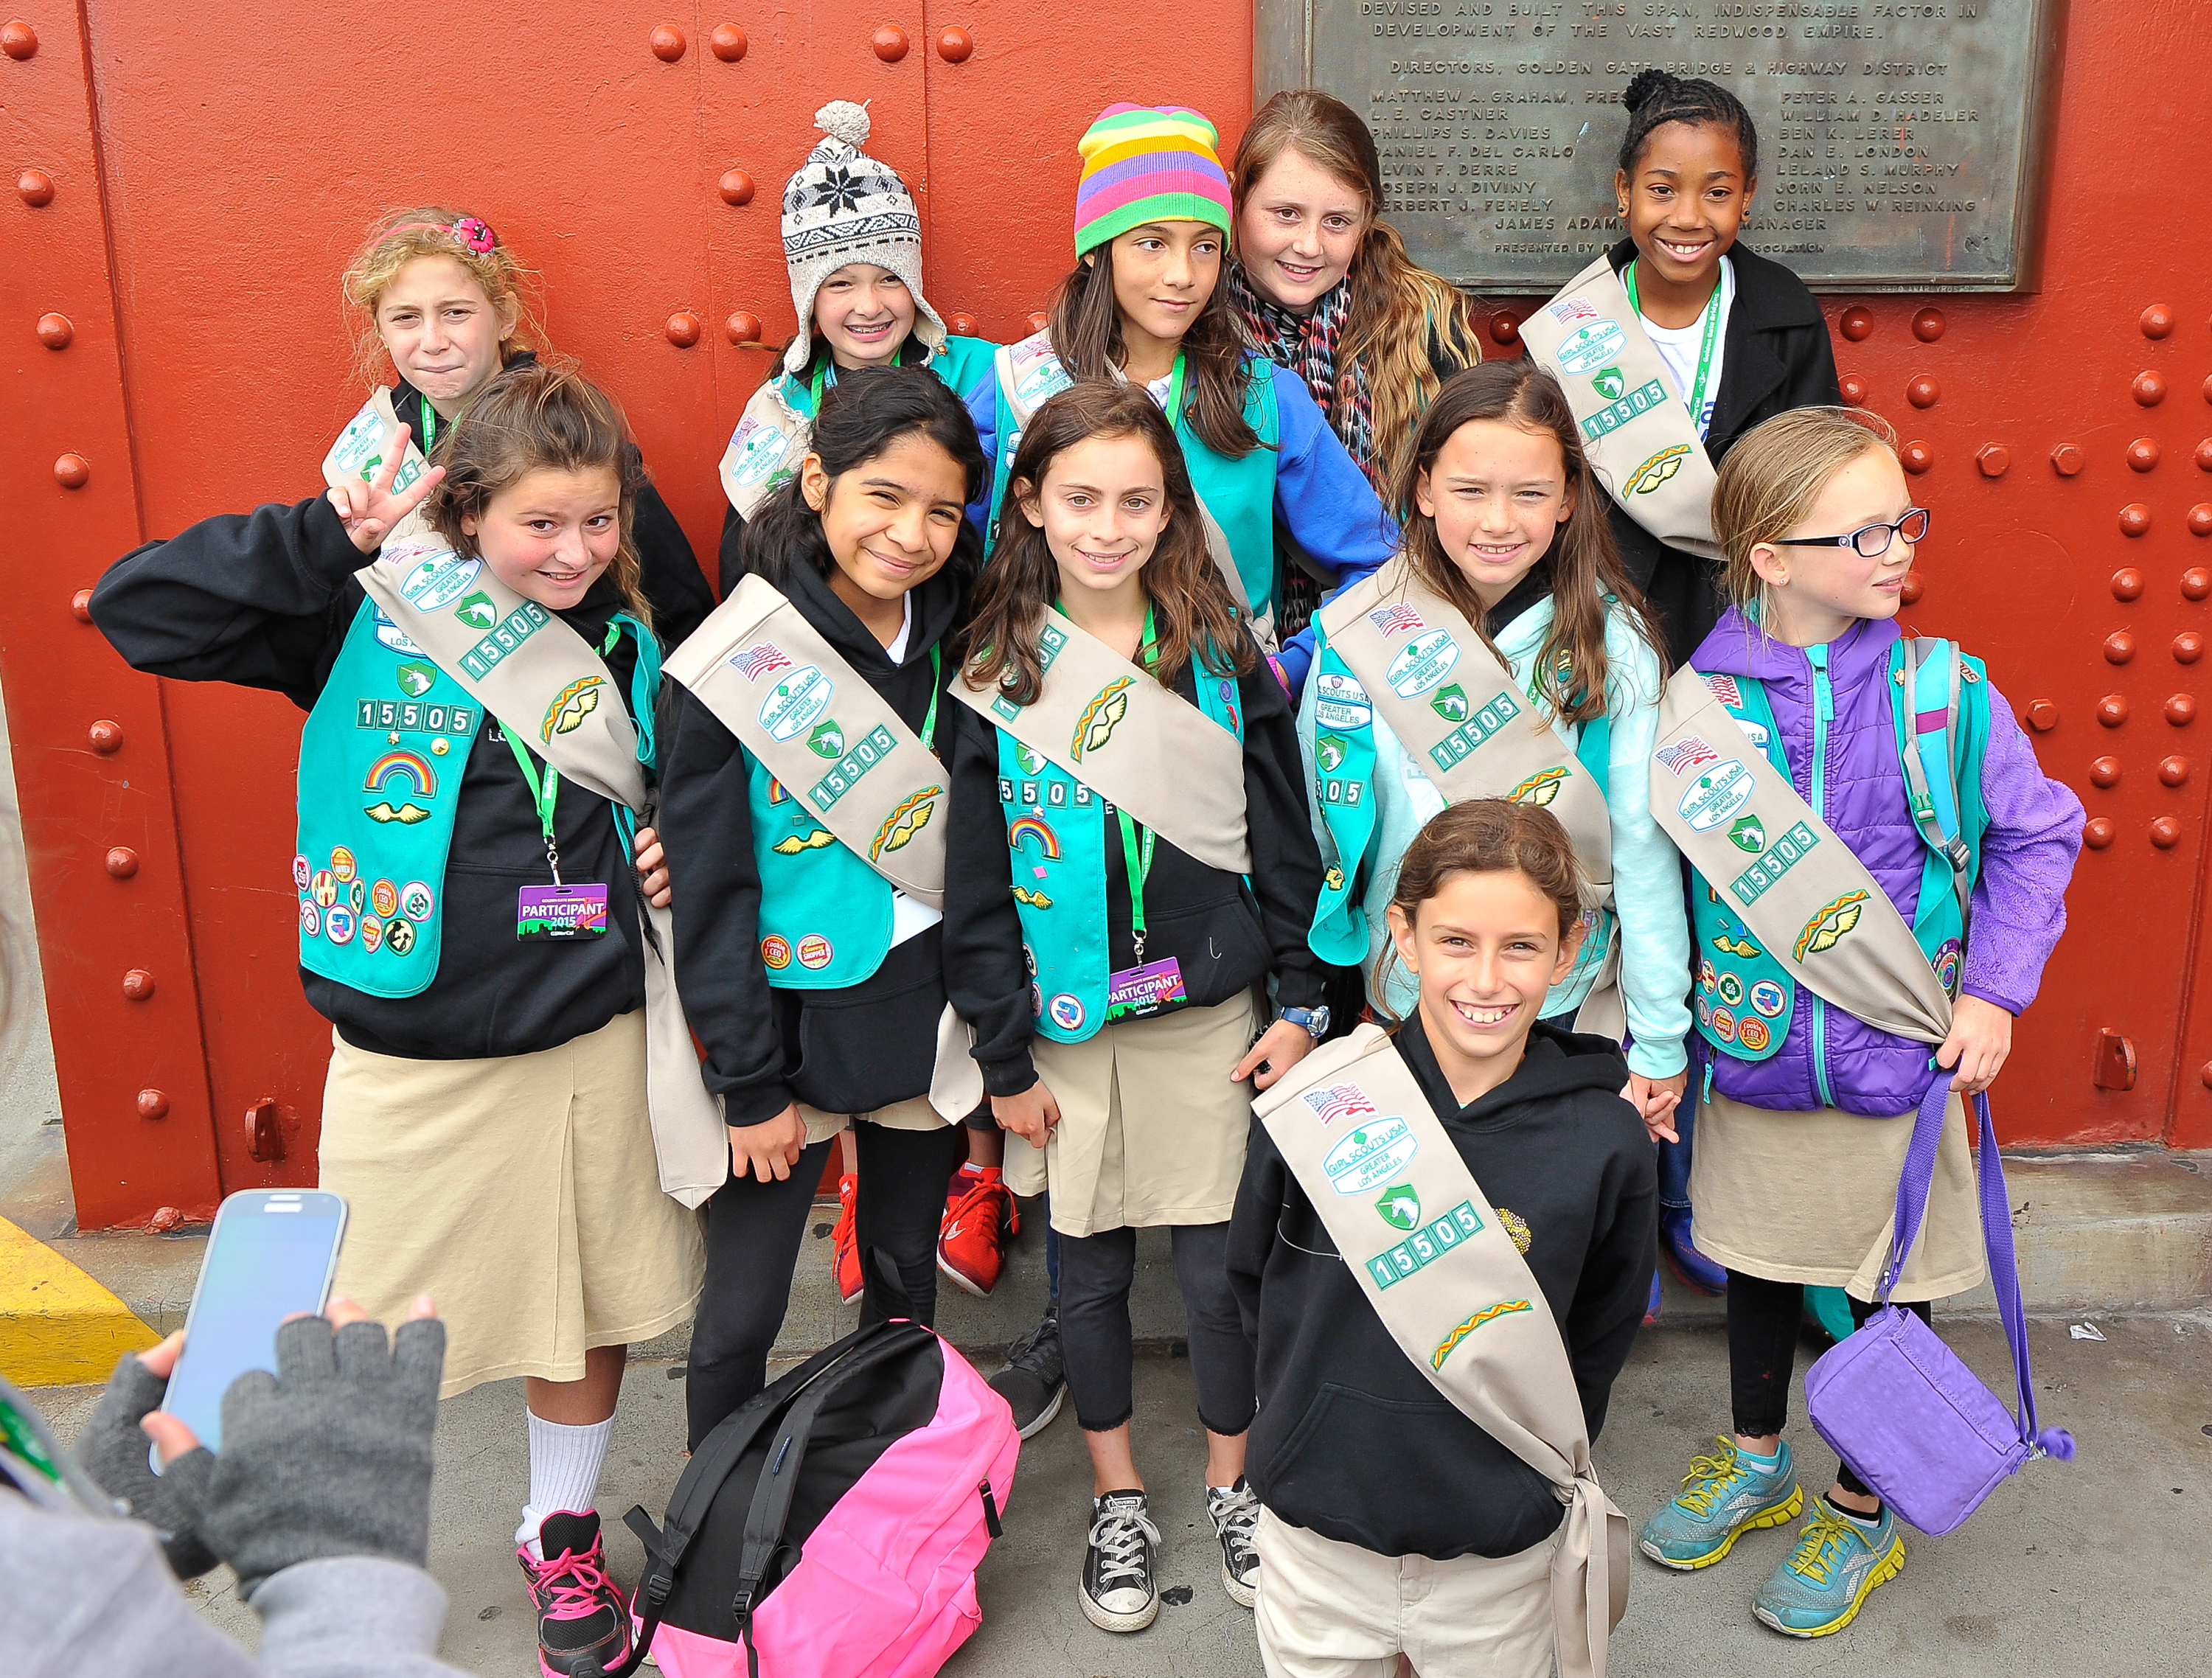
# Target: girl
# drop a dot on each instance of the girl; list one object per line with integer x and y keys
{"x": 814, "y": 979}
{"x": 486, "y": 1114}
{"x": 852, "y": 239}
{"x": 1392, "y": 1520}
{"x": 1146, "y": 304}
{"x": 1323, "y": 284}
{"x": 1820, "y": 531}
{"x": 1732, "y": 338}
{"x": 1100, "y": 932}
{"x": 1508, "y": 588}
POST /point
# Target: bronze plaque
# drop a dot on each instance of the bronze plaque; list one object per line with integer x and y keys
{"x": 1901, "y": 142}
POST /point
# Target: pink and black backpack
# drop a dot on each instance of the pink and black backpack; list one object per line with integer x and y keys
{"x": 835, "y": 1523}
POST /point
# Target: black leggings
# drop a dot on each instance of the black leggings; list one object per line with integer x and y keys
{"x": 1762, "y": 1329}
{"x": 754, "y": 1230}
{"x": 1095, "y": 1338}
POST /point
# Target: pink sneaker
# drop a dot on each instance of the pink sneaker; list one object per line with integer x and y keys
{"x": 581, "y": 1611}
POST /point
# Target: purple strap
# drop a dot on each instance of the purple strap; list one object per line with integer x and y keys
{"x": 1912, "y": 1186}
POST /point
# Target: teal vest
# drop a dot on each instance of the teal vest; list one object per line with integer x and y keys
{"x": 1745, "y": 998}
{"x": 1056, "y": 829}
{"x": 962, "y": 364}
{"x": 825, "y": 916}
{"x": 1239, "y": 494}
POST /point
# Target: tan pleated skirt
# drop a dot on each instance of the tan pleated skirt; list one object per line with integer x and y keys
{"x": 1152, "y": 1131}
{"x": 520, "y": 1193}
{"x": 1811, "y": 1197}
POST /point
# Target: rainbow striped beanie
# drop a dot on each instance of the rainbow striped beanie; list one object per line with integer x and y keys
{"x": 1142, "y": 163}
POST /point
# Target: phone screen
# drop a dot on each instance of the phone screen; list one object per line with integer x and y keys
{"x": 271, "y": 1255}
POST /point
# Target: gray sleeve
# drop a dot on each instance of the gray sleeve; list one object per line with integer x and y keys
{"x": 352, "y": 1617}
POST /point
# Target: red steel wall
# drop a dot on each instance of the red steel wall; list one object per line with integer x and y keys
{"x": 212, "y": 168}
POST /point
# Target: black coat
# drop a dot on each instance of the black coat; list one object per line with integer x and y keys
{"x": 1351, "y": 1441}
{"x": 1776, "y": 358}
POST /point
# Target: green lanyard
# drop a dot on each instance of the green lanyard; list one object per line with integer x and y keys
{"x": 936, "y": 692}
{"x": 429, "y": 427}
{"x": 1138, "y": 856}
{"x": 1712, "y": 325}
{"x": 541, "y": 794}
{"x": 1174, "y": 411}
{"x": 826, "y": 374}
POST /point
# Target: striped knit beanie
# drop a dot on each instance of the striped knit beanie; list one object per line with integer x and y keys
{"x": 1145, "y": 164}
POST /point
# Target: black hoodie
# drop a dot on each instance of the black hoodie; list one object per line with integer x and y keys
{"x": 844, "y": 1051}
{"x": 1351, "y": 1441}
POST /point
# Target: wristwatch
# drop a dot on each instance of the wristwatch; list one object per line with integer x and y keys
{"x": 1315, "y": 1020}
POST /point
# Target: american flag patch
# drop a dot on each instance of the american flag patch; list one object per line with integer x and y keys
{"x": 1690, "y": 754}
{"x": 1725, "y": 689}
{"x": 1572, "y": 310}
{"x": 1339, "y": 1100}
{"x": 760, "y": 661}
{"x": 1395, "y": 620}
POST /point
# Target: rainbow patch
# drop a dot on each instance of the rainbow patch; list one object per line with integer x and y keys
{"x": 1487, "y": 1314}
{"x": 1024, "y": 827}
{"x": 410, "y": 768}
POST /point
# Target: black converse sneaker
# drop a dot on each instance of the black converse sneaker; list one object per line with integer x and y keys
{"x": 1236, "y": 1516}
{"x": 1034, "y": 1381}
{"x": 1119, "y": 1593}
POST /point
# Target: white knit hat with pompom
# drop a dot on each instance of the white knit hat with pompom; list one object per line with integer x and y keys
{"x": 843, "y": 206}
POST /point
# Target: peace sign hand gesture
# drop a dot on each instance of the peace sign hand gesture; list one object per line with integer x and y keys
{"x": 372, "y": 511}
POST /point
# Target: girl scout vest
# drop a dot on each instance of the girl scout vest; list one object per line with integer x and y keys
{"x": 1435, "y": 1262}
{"x": 777, "y": 426}
{"x": 1236, "y": 498}
{"x": 845, "y": 802}
{"x": 1101, "y": 732}
{"x": 1778, "y": 900}
{"x": 1389, "y": 642}
{"x": 439, "y": 631}
{"x": 1638, "y": 435}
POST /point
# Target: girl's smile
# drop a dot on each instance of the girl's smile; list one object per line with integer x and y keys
{"x": 890, "y": 523}
{"x": 1683, "y": 207}
{"x": 553, "y": 534}
{"x": 1498, "y": 493}
{"x": 1299, "y": 230}
{"x": 864, "y": 313}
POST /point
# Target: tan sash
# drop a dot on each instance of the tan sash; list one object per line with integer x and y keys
{"x": 765, "y": 449}
{"x": 1635, "y": 428}
{"x": 358, "y": 455}
{"x": 535, "y": 673}
{"x": 1808, "y": 899}
{"x": 1137, "y": 744}
{"x": 774, "y": 681}
{"x": 1381, "y": 1169}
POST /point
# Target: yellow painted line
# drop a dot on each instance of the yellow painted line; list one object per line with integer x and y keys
{"x": 58, "y": 1328}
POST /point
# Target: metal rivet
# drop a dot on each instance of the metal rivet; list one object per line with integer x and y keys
{"x": 81, "y": 605}
{"x": 265, "y": 1136}
{"x": 152, "y": 1105}
{"x": 1917, "y": 457}
{"x": 2106, "y": 771}
{"x": 55, "y": 330}
{"x": 105, "y": 736}
{"x": 2200, "y": 519}
{"x": 682, "y": 330}
{"x": 1506, "y": 327}
{"x": 1037, "y": 323}
{"x": 2188, "y": 648}
{"x": 956, "y": 47}
{"x": 18, "y": 40}
{"x": 2148, "y": 388}
{"x": 2165, "y": 833}
{"x": 1854, "y": 388}
{"x": 2142, "y": 453}
{"x": 122, "y": 862}
{"x": 2173, "y": 770}
{"x": 2097, "y": 832}
{"x": 72, "y": 472}
{"x": 2135, "y": 520}
{"x": 2111, "y": 710}
{"x": 1922, "y": 392}
{"x": 2127, "y": 583}
{"x": 138, "y": 984}
{"x": 1856, "y": 323}
{"x": 2204, "y": 455}
{"x": 1995, "y": 459}
{"x": 2181, "y": 709}
{"x": 2042, "y": 716}
{"x": 736, "y": 186}
{"x": 165, "y": 1219}
{"x": 743, "y": 327}
{"x": 2196, "y": 583}
{"x": 960, "y": 324}
{"x": 2205, "y": 1074}
{"x": 2156, "y": 322}
{"x": 728, "y": 42}
{"x": 2208, "y": 387}
{"x": 1928, "y": 325}
{"x": 35, "y": 187}
{"x": 2119, "y": 647}
{"x": 889, "y": 43}
{"x": 1912, "y": 588}
{"x": 667, "y": 43}
{"x": 2068, "y": 459}
{"x": 2113, "y": 1066}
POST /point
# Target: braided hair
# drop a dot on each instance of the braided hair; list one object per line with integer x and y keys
{"x": 1655, "y": 97}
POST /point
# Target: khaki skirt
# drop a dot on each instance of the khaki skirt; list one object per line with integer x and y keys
{"x": 520, "y": 1193}
{"x": 1811, "y": 1197}
{"x": 1151, "y": 1130}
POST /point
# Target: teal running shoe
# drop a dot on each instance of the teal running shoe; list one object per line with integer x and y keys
{"x": 1723, "y": 1497}
{"x": 1827, "y": 1579}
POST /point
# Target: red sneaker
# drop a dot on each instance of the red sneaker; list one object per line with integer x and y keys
{"x": 844, "y": 1240}
{"x": 979, "y": 1216}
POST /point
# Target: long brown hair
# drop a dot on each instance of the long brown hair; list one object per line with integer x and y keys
{"x": 1572, "y": 666}
{"x": 1396, "y": 308}
{"x": 1086, "y": 336}
{"x": 539, "y": 417}
{"x": 1192, "y": 611}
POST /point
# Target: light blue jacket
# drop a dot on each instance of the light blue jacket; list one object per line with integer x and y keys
{"x": 1647, "y": 869}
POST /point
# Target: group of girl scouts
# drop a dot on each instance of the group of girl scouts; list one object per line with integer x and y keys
{"x": 1231, "y": 699}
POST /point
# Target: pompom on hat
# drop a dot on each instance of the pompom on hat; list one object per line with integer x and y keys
{"x": 1143, "y": 163}
{"x": 844, "y": 206}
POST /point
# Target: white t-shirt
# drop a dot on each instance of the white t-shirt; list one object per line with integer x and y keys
{"x": 1157, "y": 389}
{"x": 896, "y": 651}
{"x": 1677, "y": 347}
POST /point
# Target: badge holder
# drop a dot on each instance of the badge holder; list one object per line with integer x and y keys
{"x": 547, "y": 914}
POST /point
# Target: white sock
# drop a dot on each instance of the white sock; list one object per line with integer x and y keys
{"x": 564, "y": 1473}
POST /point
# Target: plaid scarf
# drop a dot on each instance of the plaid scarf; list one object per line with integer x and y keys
{"x": 1306, "y": 344}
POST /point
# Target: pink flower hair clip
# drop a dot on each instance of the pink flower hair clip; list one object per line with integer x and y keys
{"x": 476, "y": 235}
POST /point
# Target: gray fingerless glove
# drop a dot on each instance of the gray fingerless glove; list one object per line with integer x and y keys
{"x": 112, "y": 1450}
{"x": 330, "y": 1456}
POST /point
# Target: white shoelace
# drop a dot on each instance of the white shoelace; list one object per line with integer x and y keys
{"x": 1237, "y": 1517}
{"x": 1118, "y": 1536}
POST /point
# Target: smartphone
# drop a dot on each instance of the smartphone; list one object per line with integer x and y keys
{"x": 271, "y": 1255}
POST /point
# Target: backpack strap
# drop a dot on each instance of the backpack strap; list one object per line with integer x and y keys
{"x": 1927, "y": 737}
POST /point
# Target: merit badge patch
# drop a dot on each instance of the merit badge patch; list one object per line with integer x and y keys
{"x": 1401, "y": 1206}
{"x": 399, "y": 937}
{"x": 1827, "y": 930}
{"x": 1100, "y": 718}
{"x": 899, "y": 827}
{"x": 415, "y": 901}
{"x": 1487, "y": 1314}
{"x": 1714, "y": 796}
{"x": 1690, "y": 754}
{"x": 1590, "y": 347}
{"x": 1752, "y": 1033}
{"x": 341, "y": 863}
{"x": 1067, "y": 1012}
{"x": 1724, "y": 1024}
{"x": 1767, "y": 998}
{"x": 356, "y": 894}
{"x": 1946, "y": 964}
{"x": 1731, "y": 989}
{"x": 372, "y": 933}
{"x": 1422, "y": 663}
{"x": 310, "y": 919}
{"x": 795, "y": 702}
{"x": 1370, "y": 1156}
{"x": 1339, "y": 1100}
{"x": 815, "y": 950}
{"x": 570, "y": 706}
{"x": 1658, "y": 470}
{"x": 338, "y": 924}
{"x": 1540, "y": 788}
{"x": 300, "y": 873}
{"x": 776, "y": 953}
{"x": 383, "y": 898}
{"x": 322, "y": 887}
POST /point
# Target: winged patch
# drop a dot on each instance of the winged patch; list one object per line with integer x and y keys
{"x": 902, "y": 824}
{"x": 570, "y": 706}
{"x": 1736, "y": 946}
{"x": 1826, "y": 930}
{"x": 812, "y": 841}
{"x": 1487, "y": 1314}
{"x": 1541, "y": 787}
{"x": 1101, "y": 717}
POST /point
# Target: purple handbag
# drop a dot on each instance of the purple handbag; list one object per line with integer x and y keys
{"x": 1915, "y": 1423}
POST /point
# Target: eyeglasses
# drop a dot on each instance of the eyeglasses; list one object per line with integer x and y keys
{"x": 1870, "y": 541}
